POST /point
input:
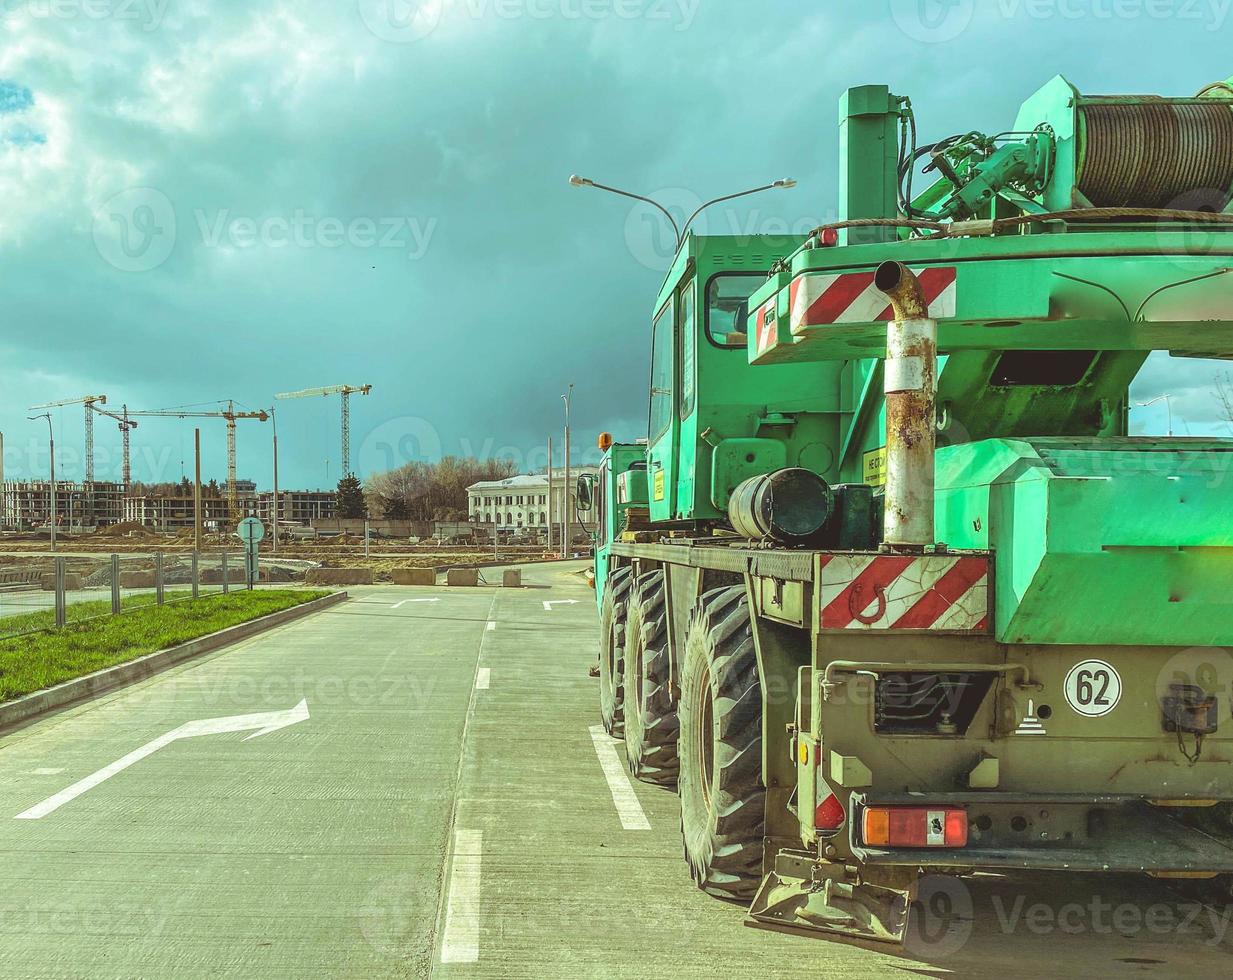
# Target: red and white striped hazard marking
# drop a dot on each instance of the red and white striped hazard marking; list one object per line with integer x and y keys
{"x": 901, "y": 592}
{"x": 820, "y": 299}
{"x": 764, "y": 325}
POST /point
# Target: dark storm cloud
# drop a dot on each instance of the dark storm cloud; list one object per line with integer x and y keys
{"x": 234, "y": 200}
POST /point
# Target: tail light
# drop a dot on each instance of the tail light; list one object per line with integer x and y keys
{"x": 909, "y": 826}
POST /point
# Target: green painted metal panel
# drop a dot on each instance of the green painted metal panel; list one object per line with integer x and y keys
{"x": 620, "y": 460}
{"x": 736, "y": 460}
{"x": 796, "y": 405}
{"x": 868, "y": 175}
{"x": 1116, "y": 541}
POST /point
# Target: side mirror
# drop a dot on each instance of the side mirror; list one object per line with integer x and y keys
{"x": 584, "y": 493}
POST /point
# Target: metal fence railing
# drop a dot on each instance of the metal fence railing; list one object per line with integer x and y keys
{"x": 44, "y": 591}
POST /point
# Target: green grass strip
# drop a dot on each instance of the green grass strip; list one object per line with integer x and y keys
{"x": 78, "y": 611}
{"x": 40, "y": 660}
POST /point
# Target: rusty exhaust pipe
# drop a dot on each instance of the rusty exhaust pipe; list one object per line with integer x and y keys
{"x": 911, "y": 410}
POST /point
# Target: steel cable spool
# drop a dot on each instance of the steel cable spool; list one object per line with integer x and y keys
{"x": 1155, "y": 154}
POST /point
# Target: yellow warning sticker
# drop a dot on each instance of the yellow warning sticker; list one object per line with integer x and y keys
{"x": 875, "y": 467}
{"x": 659, "y": 484}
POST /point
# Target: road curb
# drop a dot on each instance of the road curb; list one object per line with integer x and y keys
{"x": 30, "y": 706}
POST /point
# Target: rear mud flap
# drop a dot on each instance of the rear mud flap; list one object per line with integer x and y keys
{"x": 802, "y": 896}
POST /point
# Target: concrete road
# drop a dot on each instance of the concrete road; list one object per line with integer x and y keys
{"x": 422, "y": 791}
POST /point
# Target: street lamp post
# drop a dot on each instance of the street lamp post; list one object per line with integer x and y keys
{"x": 566, "y": 538}
{"x": 274, "y": 516}
{"x": 680, "y": 230}
{"x": 1168, "y": 400}
{"x": 51, "y": 445}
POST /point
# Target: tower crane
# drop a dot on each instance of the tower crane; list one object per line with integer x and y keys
{"x": 346, "y": 391}
{"x": 126, "y": 426}
{"x": 89, "y": 401}
{"x": 231, "y": 415}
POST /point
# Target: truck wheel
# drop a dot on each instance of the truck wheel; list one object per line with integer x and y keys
{"x": 650, "y": 715}
{"x": 722, "y": 797}
{"x": 612, "y": 650}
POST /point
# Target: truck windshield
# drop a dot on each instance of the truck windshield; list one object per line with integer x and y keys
{"x": 727, "y": 307}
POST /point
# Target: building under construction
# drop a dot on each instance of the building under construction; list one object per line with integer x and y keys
{"x": 176, "y": 513}
{"x": 298, "y": 506}
{"x": 28, "y": 505}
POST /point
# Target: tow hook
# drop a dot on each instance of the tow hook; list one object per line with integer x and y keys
{"x": 1190, "y": 710}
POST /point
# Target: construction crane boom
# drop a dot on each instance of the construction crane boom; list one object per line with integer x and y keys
{"x": 231, "y": 415}
{"x": 89, "y": 401}
{"x": 345, "y": 391}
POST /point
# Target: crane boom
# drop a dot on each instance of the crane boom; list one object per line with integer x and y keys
{"x": 262, "y": 416}
{"x": 329, "y": 390}
{"x": 231, "y": 415}
{"x": 346, "y": 391}
{"x": 83, "y": 400}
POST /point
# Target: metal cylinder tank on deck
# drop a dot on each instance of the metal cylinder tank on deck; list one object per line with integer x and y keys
{"x": 790, "y": 506}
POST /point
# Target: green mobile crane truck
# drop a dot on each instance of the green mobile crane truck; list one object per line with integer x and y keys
{"x": 889, "y": 590}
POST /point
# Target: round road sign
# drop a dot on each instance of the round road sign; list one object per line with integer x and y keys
{"x": 250, "y": 530}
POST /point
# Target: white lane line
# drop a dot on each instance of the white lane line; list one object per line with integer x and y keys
{"x": 482, "y": 678}
{"x": 491, "y": 626}
{"x": 462, "y": 915}
{"x": 399, "y": 605}
{"x": 459, "y": 932}
{"x": 623, "y": 798}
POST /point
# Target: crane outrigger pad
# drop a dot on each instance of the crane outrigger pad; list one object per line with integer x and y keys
{"x": 805, "y": 895}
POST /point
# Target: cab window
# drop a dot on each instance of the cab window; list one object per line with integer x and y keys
{"x": 601, "y": 504}
{"x": 661, "y": 373}
{"x": 688, "y": 351}
{"x": 727, "y": 307}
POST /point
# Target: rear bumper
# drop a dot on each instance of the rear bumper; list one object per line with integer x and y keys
{"x": 1061, "y": 833}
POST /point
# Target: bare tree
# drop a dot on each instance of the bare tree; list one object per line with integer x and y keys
{"x": 1224, "y": 395}
{"x": 432, "y": 491}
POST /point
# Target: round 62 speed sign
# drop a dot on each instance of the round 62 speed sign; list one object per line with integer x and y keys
{"x": 1093, "y": 688}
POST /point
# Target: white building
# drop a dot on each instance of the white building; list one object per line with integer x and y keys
{"x": 521, "y": 502}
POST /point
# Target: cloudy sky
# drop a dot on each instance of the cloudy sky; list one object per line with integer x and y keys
{"x": 217, "y": 200}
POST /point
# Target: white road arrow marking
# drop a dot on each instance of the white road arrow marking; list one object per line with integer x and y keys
{"x": 399, "y": 605}
{"x": 559, "y": 602}
{"x": 264, "y": 722}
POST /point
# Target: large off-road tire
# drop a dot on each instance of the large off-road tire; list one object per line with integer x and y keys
{"x": 612, "y": 621}
{"x": 650, "y": 713}
{"x": 722, "y": 795}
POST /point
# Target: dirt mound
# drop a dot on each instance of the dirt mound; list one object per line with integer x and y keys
{"x": 126, "y": 531}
